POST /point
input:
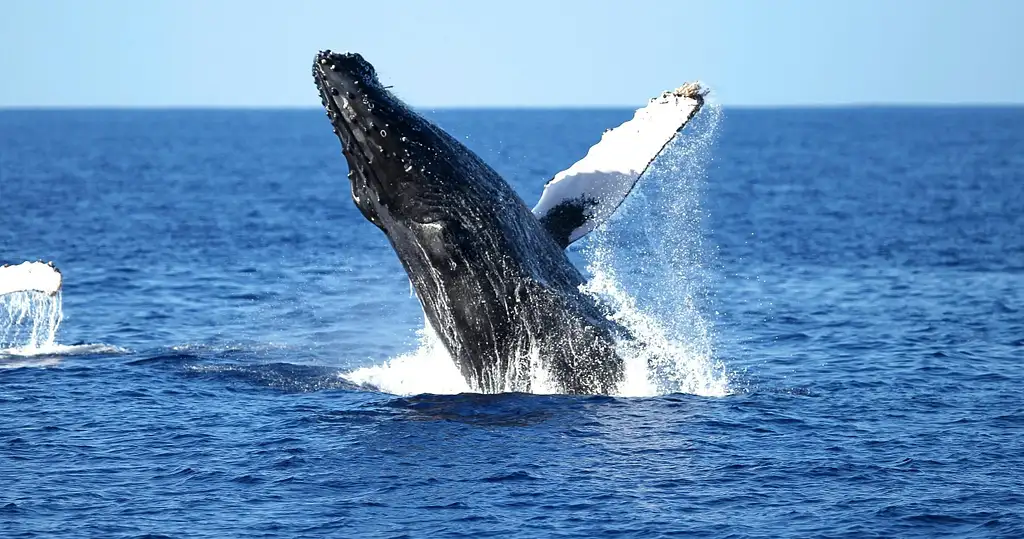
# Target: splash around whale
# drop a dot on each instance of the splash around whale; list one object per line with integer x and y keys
{"x": 491, "y": 274}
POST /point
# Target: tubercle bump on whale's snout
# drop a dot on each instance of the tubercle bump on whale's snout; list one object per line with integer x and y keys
{"x": 343, "y": 68}
{"x": 343, "y": 79}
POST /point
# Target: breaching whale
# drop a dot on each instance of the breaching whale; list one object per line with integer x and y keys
{"x": 491, "y": 274}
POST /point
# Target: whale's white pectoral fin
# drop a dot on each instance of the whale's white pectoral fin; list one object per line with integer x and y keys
{"x": 30, "y": 276}
{"x": 583, "y": 196}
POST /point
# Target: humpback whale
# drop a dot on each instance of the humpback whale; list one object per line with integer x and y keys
{"x": 492, "y": 274}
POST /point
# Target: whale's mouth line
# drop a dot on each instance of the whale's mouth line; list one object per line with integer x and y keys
{"x": 342, "y": 127}
{"x": 334, "y": 112}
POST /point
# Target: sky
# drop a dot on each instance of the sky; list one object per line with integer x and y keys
{"x": 476, "y": 53}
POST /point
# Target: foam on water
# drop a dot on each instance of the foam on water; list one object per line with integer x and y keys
{"x": 50, "y": 355}
{"x": 656, "y": 285}
{"x": 428, "y": 369}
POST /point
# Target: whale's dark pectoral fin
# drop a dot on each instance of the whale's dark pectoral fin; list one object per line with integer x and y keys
{"x": 567, "y": 216}
{"x": 581, "y": 197}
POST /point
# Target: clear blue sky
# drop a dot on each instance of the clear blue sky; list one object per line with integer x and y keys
{"x": 498, "y": 53}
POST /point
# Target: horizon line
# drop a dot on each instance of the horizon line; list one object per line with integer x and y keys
{"x": 432, "y": 108}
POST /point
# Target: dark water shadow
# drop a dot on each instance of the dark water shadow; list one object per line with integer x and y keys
{"x": 241, "y": 369}
{"x": 286, "y": 377}
{"x": 497, "y": 410}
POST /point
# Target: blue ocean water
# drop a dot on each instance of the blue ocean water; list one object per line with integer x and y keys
{"x": 856, "y": 274}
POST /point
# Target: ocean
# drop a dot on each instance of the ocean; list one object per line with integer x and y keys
{"x": 834, "y": 298}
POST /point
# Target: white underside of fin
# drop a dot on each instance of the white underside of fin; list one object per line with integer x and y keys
{"x": 611, "y": 167}
{"x": 30, "y": 276}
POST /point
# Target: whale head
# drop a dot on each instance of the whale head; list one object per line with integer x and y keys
{"x": 404, "y": 170}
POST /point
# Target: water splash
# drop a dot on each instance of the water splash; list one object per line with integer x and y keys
{"x": 29, "y": 322}
{"x": 428, "y": 369}
{"x": 655, "y": 273}
{"x": 649, "y": 264}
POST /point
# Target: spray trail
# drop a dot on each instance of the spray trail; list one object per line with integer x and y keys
{"x": 29, "y": 322}
{"x": 651, "y": 266}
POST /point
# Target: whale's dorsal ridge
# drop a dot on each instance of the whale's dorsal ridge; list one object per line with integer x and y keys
{"x": 578, "y": 199}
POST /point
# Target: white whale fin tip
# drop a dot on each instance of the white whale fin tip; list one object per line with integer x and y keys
{"x": 43, "y": 277}
{"x": 691, "y": 90}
